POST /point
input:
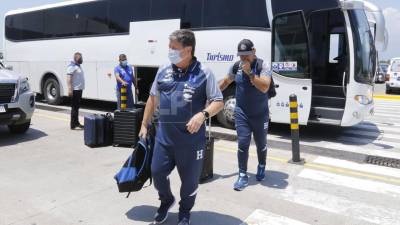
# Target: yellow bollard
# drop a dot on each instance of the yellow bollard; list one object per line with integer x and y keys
{"x": 124, "y": 98}
{"x": 294, "y": 127}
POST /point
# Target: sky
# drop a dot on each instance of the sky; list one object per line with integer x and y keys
{"x": 391, "y": 9}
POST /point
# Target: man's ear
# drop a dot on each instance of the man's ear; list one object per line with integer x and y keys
{"x": 190, "y": 49}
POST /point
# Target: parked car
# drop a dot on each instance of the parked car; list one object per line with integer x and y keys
{"x": 380, "y": 76}
{"x": 17, "y": 101}
{"x": 393, "y": 76}
{"x": 384, "y": 67}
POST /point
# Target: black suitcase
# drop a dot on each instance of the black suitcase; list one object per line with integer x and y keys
{"x": 127, "y": 124}
{"x": 108, "y": 129}
{"x": 207, "y": 171}
{"x": 94, "y": 130}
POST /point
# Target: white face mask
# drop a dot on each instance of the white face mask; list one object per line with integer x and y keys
{"x": 174, "y": 56}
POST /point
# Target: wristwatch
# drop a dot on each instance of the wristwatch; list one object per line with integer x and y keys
{"x": 206, "y": 114}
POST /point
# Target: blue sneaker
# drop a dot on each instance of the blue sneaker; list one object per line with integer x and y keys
{"x": 242, "y": 182}
{"x": 184, "y": 221}
{"x": 260, "y": 173}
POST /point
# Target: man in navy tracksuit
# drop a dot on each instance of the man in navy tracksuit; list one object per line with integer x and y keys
{"x": 181, "y": 91}
{"x": 253, "y": 78}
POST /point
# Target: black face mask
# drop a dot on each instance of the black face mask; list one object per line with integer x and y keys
{"x": 79, "y": 61}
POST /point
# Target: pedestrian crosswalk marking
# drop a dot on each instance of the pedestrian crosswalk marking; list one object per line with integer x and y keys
{"x": 372, "y": 134}
{"x": 351, "y": 182}
{"x": 343, "y": 206}
{"x": 373, "y": 169}
{"x": 361, "y": 141}
{"x": 326, "y": 168}
{"x": 261, "y": 217}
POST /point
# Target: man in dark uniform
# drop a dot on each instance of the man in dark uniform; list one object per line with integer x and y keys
{"x": 181, "y": 90}
{"x": 253, "y": 78}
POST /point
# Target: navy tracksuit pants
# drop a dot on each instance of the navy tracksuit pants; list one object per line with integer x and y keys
{"x": 188, "y": 161}
{"x": 245, "y": 126}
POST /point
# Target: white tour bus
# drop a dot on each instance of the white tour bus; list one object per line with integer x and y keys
{"x": 322, "y": 51}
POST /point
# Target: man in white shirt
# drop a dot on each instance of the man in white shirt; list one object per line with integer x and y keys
{"x": 76, "y": 85}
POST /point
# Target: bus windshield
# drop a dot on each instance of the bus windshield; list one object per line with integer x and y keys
{"x": 365, "y": 54}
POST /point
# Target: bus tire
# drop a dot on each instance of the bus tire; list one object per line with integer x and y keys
{"x": 226, "y": 116}
{"x": 51, "y": 91}
{"x": 19, "y": 128}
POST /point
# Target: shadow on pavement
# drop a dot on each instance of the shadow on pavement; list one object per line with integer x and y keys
{"x": 344, "y": 135}
{"x": 146, "y": 213}
{"x": 219, "y": 176}
{"x": 8, "y": 139}
{"x": 273, "y": 179}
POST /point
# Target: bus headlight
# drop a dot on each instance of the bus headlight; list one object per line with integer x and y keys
{"x": 362, "y": 99}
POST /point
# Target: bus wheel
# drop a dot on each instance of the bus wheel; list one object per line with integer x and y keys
{"x": 227, "y": 116}
{"x": 51, "y": 91}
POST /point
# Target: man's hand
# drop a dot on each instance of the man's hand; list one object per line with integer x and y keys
{"x": 70, "y": 92}
{"x": 124, "y": 83}
{"x": 246, "y": 67}
{"x": 195, "y": 123}
{"x": 143, "y": 132}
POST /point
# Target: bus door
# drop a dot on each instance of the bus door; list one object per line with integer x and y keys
{"x": 291, "y": 67}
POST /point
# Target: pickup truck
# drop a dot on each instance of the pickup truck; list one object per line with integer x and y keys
{"x": 17, "y": 101}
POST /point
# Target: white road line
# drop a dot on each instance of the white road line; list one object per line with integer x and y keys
{"x": 342, "y": 206}
{"x": 362, "y": 150}
{"x": 365, "y": 149}
{"x": 372, "y": 134}
{"x": 380, "y": 143}
{"x": 380, "y": 123}
{"x": 384, "y": 120}
{"x": 391, "y": 172}
{"x": 351, "y": 182}
{"x": 386, "y": 115}
{"x": 261, "y": 217}
{"x": 368, "y": 127}
{"x": 387, "y": 112}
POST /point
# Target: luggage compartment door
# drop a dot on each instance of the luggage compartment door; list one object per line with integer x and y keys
{"x": 149, "y": 41}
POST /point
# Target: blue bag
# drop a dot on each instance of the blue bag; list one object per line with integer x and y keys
{"x": 137, "y": 169}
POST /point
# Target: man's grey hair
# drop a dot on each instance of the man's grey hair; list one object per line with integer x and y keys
{"x": 184, "y": 37}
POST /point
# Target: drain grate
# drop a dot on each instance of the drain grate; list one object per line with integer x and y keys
{"x": 382, "y": 161}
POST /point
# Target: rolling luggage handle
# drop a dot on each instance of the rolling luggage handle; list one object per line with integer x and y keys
{"x": 209, "y": 128}
{"x": 207, "y": 167}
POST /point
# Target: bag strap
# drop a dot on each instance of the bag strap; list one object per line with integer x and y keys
{"x": 235, "y": 68}
{"x": 259, "y": 68}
